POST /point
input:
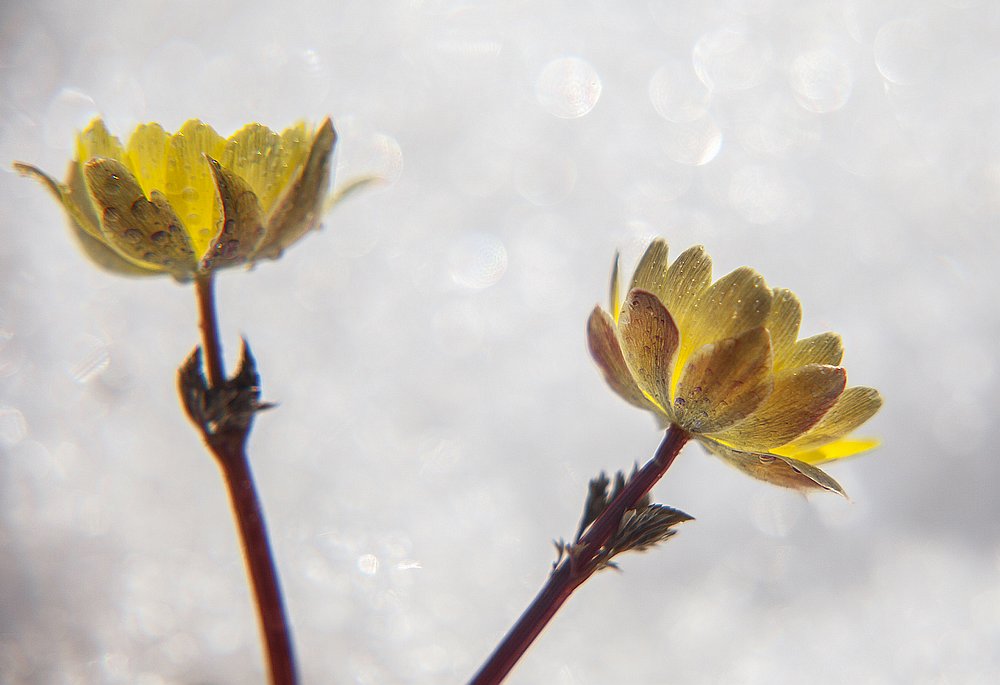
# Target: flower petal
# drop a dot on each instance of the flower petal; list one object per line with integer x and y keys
{"x": 189, "y": 185}
{"x": 724, "y": 382}
{"x": 825, "y": 348}
{"x": 651, "y": 272}
{"x": 687, "y": 278}
{"x": 74, "y": 199}
{"x": 800, "y": 398}
{"x": 783, "y": 321}
{"x": 96, "y": 141}
{"x": 853, "y": 408}
{"x": 602, "y": 339}
{"x": 783, "y": 471}
{"x": 242, "y": 221}
{"x": 146, "y": 232}
{"x": 297, "y": 212}
{"x": 736, "y": 303}
{"x": 649, "y": 339}
{"x": 839, "y": 449}
{"x": 265, "y": 160}
{"x": 147, "y": 157}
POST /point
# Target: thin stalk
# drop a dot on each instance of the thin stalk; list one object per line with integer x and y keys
{"x": 579, "y": 564}
{"x": 229, "y": 448}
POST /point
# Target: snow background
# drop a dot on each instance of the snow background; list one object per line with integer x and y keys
{"x": 439, "y": 414}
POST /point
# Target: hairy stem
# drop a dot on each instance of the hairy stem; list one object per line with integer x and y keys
{"x": 579, "y": 564}
{"x": 229, "y": 447}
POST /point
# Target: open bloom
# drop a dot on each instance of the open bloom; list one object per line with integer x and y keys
{"x": 193, "y": 202}
{"x": 723, "y": 362}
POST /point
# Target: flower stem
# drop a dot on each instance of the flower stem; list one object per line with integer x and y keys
{"x": 208, "y": 322}
{"x": 229, "y": 448}
{"x": 579, "y": 564}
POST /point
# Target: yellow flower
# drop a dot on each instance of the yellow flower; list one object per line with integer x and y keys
{"x": 193, "y": 202}
{"x": 722, "y": 361}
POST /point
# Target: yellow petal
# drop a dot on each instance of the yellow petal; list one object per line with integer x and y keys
{"x": 242, "y": 224}
{"x": 838, "y": 449}
{"x": 265, "y": 160}
{"x": 853, "y": 408}
{"x": 298, "y": 210}
{"x": 649, "y": 340}
{"x": 74, "y": 199}
{"x": 783, "y": 321}
{"x": 189, "y": 185}
{"x": 800, "y": 398}
{"x": 737, "y": 302}
{"x": 724, "y": 382}
{"x": 146, "y": 232}
{"x": 687, "y": 278}
{"x": 778, "y": 470}
{"x": 602, "y": 339}
{"x": 147, "y": 157}
{"x": 96, "y": 141}
{"x": 651, "y": 272}
{"x": 825, "y": 348}
{"x": 614, "y": 295}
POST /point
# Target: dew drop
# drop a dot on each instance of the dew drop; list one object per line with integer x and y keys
{"x": 230, "y": 249}
{"x": 133, "y": 235}
{"x": 189, "y": 194}
{"x": 229, "y": 227}
{"x": 159, "y": 237}
{"x": 149, "y": 257}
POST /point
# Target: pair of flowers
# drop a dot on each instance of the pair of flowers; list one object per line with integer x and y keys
{"x": 721, "y": 361}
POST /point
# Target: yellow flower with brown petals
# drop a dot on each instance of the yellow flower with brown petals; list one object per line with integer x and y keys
{"x": 723, "y": 362}
{"x": 193, "y": 202}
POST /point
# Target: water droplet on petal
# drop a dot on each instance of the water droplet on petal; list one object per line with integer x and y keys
{"x": 133, "y": 235}
{"x": 159, "y": 237}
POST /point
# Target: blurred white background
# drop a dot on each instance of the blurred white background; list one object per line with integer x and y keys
{"x": 439, "y": 414}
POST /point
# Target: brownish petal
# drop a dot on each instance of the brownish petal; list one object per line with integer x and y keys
{"x": 783, "y": 471}
{"x": 737, "y": 302}
{"x": 242, "y": 221}
{"x": 825, "y": 348}
{"x": 799, "y": 399}
{"x": 602, "y": 339}
{"x": 148, "y": 232}
{"x": 853, "y": 408}
{"x": 298, "y": 210}
{"x": 724, "y": 382}
{"x": 649, "y": 340}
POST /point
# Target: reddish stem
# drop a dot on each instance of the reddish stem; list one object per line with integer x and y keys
{"x": 579, "y": 565}
{"x": 229, "y": 448}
